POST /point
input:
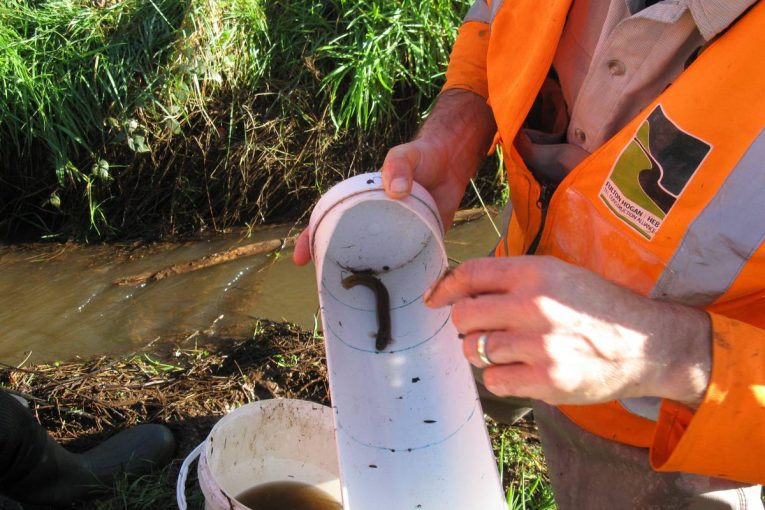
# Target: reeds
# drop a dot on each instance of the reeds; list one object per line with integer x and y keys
{"x": 128, "y": 117}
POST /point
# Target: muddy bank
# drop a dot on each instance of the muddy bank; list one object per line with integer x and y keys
{"x": 188, "y": 384}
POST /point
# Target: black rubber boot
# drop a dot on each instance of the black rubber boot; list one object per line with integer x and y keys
{"x": 9, "y": 504}
{"x": 35, "y": 469}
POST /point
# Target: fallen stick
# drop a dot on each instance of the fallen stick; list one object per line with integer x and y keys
{"x": 247, "y": 250}
{"x": 466, "y": 215}
{"x": 209, "y": 260}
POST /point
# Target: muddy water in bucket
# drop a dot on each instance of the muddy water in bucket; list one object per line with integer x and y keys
{"x": 287, "y": 495}
{"x": 263, "y": 446}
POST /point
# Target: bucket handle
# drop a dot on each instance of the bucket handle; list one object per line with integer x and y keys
{"x": 180, "y": 487}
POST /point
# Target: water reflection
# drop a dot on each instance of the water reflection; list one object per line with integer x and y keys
{"x": 59, "y": 301}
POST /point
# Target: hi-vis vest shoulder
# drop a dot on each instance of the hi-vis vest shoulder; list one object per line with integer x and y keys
{"x": 672, "y": 207}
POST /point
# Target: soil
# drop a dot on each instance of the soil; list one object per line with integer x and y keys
{"x": 187, "y": 383}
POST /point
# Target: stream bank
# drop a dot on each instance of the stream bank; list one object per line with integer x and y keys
{"x": 188, "y": 383}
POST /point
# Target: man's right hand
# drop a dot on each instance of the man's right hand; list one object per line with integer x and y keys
{"x": 425, "y": 161}
{"x": 443, "y": 157}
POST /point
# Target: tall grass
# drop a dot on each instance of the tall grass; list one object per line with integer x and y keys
{"x": 66, "y": 67}
{"x": 72, "y": 76}
{"x": 214, "y": 109}
{"x": 385, "y": 45}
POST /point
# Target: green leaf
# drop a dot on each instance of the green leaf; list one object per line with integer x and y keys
{"x": 137, "y": 143}
{"x": 55, "y": 200}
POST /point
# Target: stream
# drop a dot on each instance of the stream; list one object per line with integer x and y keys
{"x": 58, "y": 301}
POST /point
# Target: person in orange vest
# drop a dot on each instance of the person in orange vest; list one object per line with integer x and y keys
{"x": 626, "y": 298}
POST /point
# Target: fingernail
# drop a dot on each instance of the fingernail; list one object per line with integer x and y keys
{"x": 399, "y": 185}
{"x": 426, "y": 295}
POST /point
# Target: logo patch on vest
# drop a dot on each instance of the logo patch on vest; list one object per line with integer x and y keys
{"x": 651, "y": 173}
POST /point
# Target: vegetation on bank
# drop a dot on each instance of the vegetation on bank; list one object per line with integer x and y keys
{"x": 123, "y": 118}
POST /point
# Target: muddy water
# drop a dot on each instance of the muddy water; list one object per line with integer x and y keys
{"x": 57, "y": 302}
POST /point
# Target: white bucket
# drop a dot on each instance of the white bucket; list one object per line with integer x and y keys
{"x": 262, "y": 442}
{"x": 409, "y": 426}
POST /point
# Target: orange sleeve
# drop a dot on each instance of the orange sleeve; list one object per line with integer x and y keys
{"x": 725, "y": 436}
{"x": 467, "y": 63}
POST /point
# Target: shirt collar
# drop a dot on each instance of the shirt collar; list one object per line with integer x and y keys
{"x": 714, "y": 16}
{"x": 711, "y": 16}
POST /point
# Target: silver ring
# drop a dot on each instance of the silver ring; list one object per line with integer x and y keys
{"x": 482, "y": 349}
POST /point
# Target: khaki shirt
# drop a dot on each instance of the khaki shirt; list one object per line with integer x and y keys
{"x": 614, "y": 58}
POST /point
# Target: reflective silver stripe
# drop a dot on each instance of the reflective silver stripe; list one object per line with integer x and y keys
{"x": 480, "y": 11}
{"x": 495, "y": 5}
{"x": 722, "y": 238}
{"x": 715, "y": 247}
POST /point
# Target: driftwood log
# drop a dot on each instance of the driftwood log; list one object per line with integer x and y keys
{"x": 207, "y": 261}
{"x": 246, "y": 250}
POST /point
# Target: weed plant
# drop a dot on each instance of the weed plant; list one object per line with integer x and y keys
{"x": 522, "y": 467}
{"x": 159, "y": 117}
{"x": 386, "y": 45}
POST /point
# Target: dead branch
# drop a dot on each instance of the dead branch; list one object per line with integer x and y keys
{"x": 247, "y": 250}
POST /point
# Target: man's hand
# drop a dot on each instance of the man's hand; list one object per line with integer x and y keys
{"x": 564, "y": 335}
{"x": 443, "y": 157}
{"x": 424, "y": 160}
{"x": 445, "y": 154}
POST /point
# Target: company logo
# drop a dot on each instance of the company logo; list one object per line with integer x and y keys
{"x": 652, "y": 172}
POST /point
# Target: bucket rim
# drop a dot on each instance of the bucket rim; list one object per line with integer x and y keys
{"x": 265, "y": 404}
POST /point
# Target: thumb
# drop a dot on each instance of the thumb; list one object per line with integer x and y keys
{"x": 302, "y": 254}
{"x": 398, "y": 170}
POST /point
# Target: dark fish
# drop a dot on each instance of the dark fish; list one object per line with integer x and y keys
{"x": 383, "y": 304}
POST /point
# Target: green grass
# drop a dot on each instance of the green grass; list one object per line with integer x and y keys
{"x": 522, "y": 468}
{"x": 120, "y": 113}
{"x": 386, "y": 45}
{"x": 150, "y": 492}
{"x": 72, "y": 78}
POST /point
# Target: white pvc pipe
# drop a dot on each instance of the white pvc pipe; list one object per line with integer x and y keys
{"x": 409, "y": 427}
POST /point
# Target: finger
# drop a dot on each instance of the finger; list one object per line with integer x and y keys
{"x": 398, "y": 170}
{"x": 501, "y": 348}
{"x": 447, "y": 220}
{"x": 532, "y": 381}
{"x": 517, "y": 380}
{"x": 473, "y": 278}
{"x": 483, "y": 313}
{"x": 302, "y": 254}
{"x": 504, "y": 312}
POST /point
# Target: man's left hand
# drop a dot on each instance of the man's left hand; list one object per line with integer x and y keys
{"x": 564, "y": 335}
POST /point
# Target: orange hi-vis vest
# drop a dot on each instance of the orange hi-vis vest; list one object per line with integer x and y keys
{"x": 672, "y": 207}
